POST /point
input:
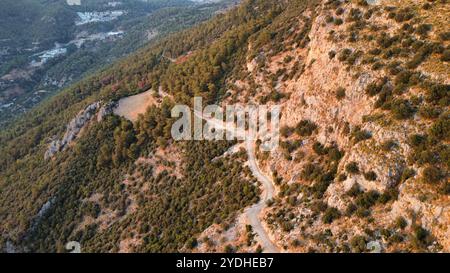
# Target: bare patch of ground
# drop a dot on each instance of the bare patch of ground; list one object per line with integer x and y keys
{"x": 131, "y": 107}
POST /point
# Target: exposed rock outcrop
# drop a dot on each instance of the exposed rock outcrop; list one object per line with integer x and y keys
{"x": 106, "y": 110}
{"x": 73, "y": 129}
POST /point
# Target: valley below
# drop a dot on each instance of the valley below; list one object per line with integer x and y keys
{"x": 98, "y": 34}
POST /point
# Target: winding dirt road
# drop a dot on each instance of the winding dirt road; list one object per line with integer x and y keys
{"x": 254, "y": 212}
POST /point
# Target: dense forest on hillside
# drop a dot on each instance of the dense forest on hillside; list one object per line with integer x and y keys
{"x": 26, "y": 21}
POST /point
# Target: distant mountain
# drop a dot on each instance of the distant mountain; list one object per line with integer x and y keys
{"x": 64, "y": 42}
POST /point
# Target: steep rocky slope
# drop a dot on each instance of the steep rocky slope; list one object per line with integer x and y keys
{"x": 357, "y": 83}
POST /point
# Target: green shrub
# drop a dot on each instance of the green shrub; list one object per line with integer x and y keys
{"x": 354, "y": 15}
{"x": 388, "y": 145}
{"x": 403, "y": 77}
{"x": 446, "y": 55}
{"x": 373, "y": 89}
{"x": 229, "y": 249}
{"x": 386, "y": 41}
{"x": 404, "y": 14}
{"x": 354, "y": 191}
{"x": 296, "y": 243}
{"x": 417, "y": 141}
{"x": 444, "y": 154}
{"x": 344, "y": 54}
{"x": 445, "y": 36}
{"x": 338, "y": 21}
{"x": 388, "y": 195}
{"x": 402, "y": 109}
{"x": 259, "y": 249}
{"x": 288, "y": 59}
{"x": 407, "y": 174}
{"x": 287, "y": 226}
{"x": 390, "y": 8}
{"x": 362, "y": 212}
{"x": 320, "y": 187}
{"x": 392, "y": 52}
{"x": 429, "y": 112}
{"x": 438, "y": 93}
{"x": 367, "y": 199}
{"x": 191, "y": 243}
{"x": 311, "y": 171}
{"x": 305, "y": 128}
{"x": 334, "y": 153}
{"x": 369, "y": 60}
{"x": 384, "y": 99}
{"x": 376, "y": 87}
{"x": 358, "y": 244}
{"x": 420, "y": 237}
{"x": 423, "y": 29}
{"x": 446, "y": 188}
{"x": 398, "y": 90}
{"x": 318, "y": 206}
{"x": 340, "y": 11}
{"x": 351, "y": 208}
{"x": 329, "y": 19}
{"x": 370, "y": 176}
{"x": 353, "y": 37}
{"x": 375, "y": 51}
{"x": 422, "y": 54}
{"x": 342, "y": 177}
{"x": 426, "y": 6}
{"x": 330, "y": 215}
{"x": 400, "y": 223}
{"x": 319, "y": 149}
{"x": 359, "y": 135}
{"x": 417, "y": 45}
{"x": 392, "y": 15}
{"x": 286, "y": 131}
{"x": 332, "y": 4}
{"x": 394, "y": 68}
{"x": 340, "y": 93}
{"x": 440, "y": 130}
{"x": 377, "y": 66}
{"x": 369, "y": 14}
{"x": 331, "y": 54}
{"x": 363, "y": 3}
{"x": 431, "y": 174}
{"x": 291, "y": 146}
{"x": 351, "y": 60}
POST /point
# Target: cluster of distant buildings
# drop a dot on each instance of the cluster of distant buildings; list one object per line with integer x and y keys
{"x": 74, "y": 2}
{"x": 78, "y": 3}
{"x": 98, "y": 16}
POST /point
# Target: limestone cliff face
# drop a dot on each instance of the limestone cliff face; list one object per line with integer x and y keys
{"x": 76, "y": 125}
{"x": 354, "y": 123}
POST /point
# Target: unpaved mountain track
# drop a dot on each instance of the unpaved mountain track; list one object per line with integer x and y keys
{"x": 254, "y": 212}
